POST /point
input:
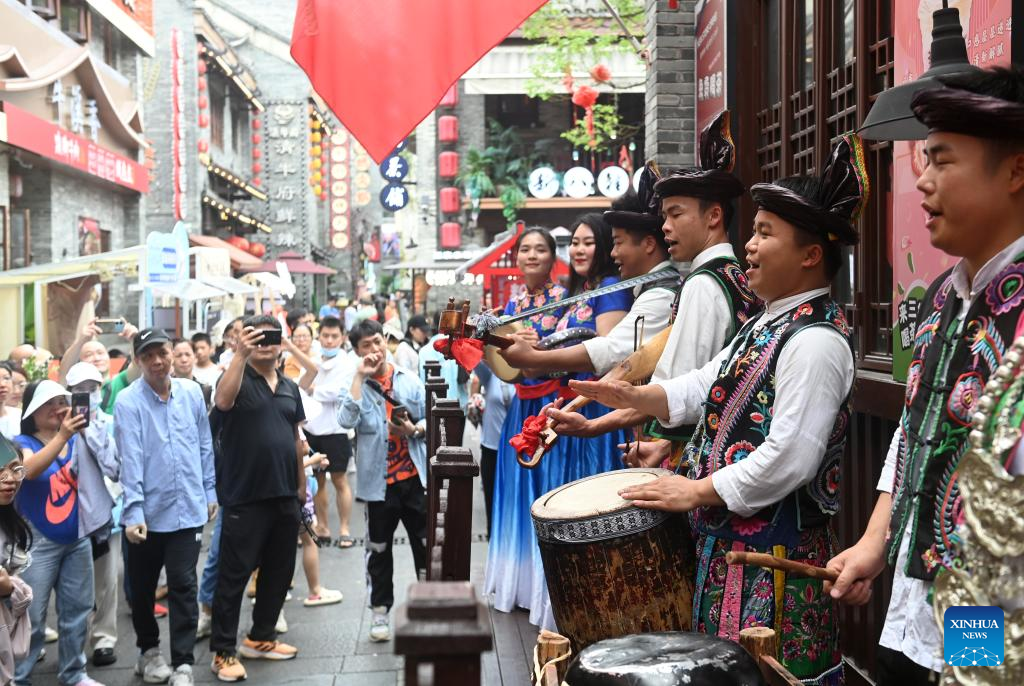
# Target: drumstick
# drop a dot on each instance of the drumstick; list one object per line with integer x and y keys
{"x": 782, "y": 564}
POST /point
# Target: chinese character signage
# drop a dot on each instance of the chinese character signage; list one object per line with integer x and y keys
{"x": 915, "y": 263}
{"x": 53, "y": 142}
{"x": 285, "y": 124}
{"x": 394, "y": 195}
{"x": 710, "y": 52}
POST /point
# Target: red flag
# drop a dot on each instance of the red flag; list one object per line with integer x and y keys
{"x": 383, "y": 65}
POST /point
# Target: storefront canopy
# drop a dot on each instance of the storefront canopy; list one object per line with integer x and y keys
{"x": 296, "y": 264}
{"x": 115, "y": 261}
{"x": 240, "y": 259}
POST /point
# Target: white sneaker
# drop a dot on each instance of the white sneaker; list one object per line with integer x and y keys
{"x": 380, "y": 628}
{"x": 205, "y": 626}
{"x": 50, "y": 635}
{"x": 182, "y": 676}
{"x": 152, "y": 667}
{"x": 282, "y": 624}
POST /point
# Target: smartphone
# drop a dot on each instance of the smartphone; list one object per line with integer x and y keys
{"x": 110, "y": 325}
{"x": 398, "y": 413}
{"x": 270, "y": 337}
{"x": 80, "y": 405}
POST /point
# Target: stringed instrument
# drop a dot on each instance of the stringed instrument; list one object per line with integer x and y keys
{"x": 637, "y": 367}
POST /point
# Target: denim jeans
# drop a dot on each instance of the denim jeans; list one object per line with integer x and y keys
{"x": 66, "y": 568}
{"x": 208, "y": 584}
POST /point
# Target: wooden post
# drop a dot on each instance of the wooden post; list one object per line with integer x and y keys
{"x": 449, "y": 524}
{"x": 551, "y": 657}
{"x": 435, "y": 387}
{"x": 442, "y": 629}
{"x": 763, "y": 645}
{"x": 447, "y": 411}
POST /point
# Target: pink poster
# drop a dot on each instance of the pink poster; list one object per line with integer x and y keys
{"x": 915, "y": 262}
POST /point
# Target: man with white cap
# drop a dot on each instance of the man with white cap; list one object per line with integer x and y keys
{"x": 85, "y": 377}
{"x": 163, "y": 435}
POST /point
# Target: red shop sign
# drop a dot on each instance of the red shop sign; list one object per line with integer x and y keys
{"x": 44, "y": 138}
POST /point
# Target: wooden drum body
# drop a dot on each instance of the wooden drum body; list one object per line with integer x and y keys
{"x": 613, "y": 569}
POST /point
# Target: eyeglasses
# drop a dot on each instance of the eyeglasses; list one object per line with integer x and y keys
{"x": 12, "y": 474}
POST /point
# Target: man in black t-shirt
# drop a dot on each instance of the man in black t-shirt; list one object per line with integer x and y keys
{"x": 260, "y": 486}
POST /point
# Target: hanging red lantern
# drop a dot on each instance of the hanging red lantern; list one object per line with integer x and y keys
{"x": 451, "y": 201}
{"x": 448, "y": 128}
{"x": 203, "y": 146}
{"x": 257, "y": 249}
{"x": 257, "y": 124}
{"x": 323, "y": 196}
{"x": 257, "y": 181}
{"x": 204, "y": 121}
{"x": 451, "y": 235}
{"x": 584, "y": 96}
{"x": 201, "y": 66}
{"x": 202, "y": 84}
{"x": 448, "y": 164}
{"x": 601, "y": 73}
{"x": 239, "y": 242}
{"x": 257, "y": 139}
{"x": 203, "y": 102}
{"x": 257, "y": 167}
{"x": 257, "y": 153}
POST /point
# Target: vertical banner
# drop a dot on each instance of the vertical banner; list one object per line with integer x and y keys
{"x": 710, "y": 48}
{"x": 915, "y": 263}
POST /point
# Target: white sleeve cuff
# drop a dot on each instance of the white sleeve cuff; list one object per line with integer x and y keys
{"x": 601, "y": 354}
{"x": 725, "y": 487}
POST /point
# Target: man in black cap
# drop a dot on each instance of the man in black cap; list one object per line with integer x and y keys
{"x": 639, "y": 247}
{"x": 771, "y": 411}
{"x": 715, "y": 300}
{"x": 973, "y": 195}
{"x": 416, "y": 334}
{"x": 167, "y": 472}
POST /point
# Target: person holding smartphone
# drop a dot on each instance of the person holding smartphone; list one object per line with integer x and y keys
{"x": 60, "y": 518}
{"x": 385, "y": 404}
{"x": 15, "y": 540}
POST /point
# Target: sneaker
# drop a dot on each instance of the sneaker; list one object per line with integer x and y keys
{"x": 267, "y": 650}
{"x": 227, "y": 668}
{"x": 182, "y": 676}
{"x": 152, "y": 667}
{"x": 159, "y": 611}
{"x": 380, "y": 629}
{"x": 88, "y": 681}
{"x": 205, "y": 626}
{"x": 326, "y": 596}
{"x": 282, "y": 624}
{"x": 50, "y": 636}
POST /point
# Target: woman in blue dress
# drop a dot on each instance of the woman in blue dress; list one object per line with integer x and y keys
{"x": 592, "y": 268}
{"x": 513, "y": 557}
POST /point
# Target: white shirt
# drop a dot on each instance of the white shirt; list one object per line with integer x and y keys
{"x": 407, "y": 356}
{"x": 327, "y": 386}
{"x": 813, "y": 377}
{"x": 654, "y": 305}
{"x": 206, "y": 375}
{"x": 910, "y": 621}
{"x": 10, "y": 421}
{"x": 704, "y": 323}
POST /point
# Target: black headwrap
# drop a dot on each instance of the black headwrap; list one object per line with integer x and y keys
{"x": 841, "y": 193}
{"x": 985, "y": 104}
{"x": 713, "y": 179}
{"x": 638, "y": 210}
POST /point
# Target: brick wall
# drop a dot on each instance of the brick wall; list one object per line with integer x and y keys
{"x": 669, "y": 113}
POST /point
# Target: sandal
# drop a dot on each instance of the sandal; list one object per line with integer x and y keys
{"x": 345, "y": 541}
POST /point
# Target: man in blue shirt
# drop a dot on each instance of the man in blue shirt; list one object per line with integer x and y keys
{"x": 167, "y": 472}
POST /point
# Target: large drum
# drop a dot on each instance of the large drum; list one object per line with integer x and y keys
{"x": 613, "y": 569}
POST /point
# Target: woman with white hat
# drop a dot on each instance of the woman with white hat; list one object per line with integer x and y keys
{"x": 52, "y": 440}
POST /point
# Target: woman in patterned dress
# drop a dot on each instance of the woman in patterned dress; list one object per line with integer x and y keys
{"x": 513, "y": 559}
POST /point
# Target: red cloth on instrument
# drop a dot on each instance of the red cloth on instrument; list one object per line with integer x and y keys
{"x": 534, "y": 391}
{"x": 466, "y": 351}
{"x": 529, "y": 440}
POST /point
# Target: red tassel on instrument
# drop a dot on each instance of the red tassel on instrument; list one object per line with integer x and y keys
{"x": 529, "y": 440}
{"x": 466, "y": 351}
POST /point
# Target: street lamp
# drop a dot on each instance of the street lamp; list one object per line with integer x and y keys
{"x": 891, "y": 118}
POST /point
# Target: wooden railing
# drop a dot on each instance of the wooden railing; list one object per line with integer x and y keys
{"x": 443, "y": 628}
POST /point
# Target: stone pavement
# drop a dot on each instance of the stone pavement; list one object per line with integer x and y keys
{"x": 332, "y": 640}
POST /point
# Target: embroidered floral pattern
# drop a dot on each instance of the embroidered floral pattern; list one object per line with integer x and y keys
{"x": 913, "y": 381}
{"x": 1006, "y": 291}
{"x": 737, "y": 451}
{"x": 966, "y": 391}
{"x": 717, "y": 394}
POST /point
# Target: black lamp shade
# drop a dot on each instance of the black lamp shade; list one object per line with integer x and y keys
{"x": 891, "y": 118}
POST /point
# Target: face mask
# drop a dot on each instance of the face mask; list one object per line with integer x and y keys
{"x": 329, "y": 353}
{"x": 94, "y": 398}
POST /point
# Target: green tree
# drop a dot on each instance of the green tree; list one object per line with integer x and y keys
{"x": 500, "y": 170}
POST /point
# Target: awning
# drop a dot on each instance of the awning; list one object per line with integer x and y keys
{"x": 189, "y": 290}
{"x": 229, "y": 285}
{"x": 114, "y": 262}
{"x": 507, "y": 68}
{"x": 239, "y": 258}
{"x": 118, "y": 15}
{"x": 296, "y": 264}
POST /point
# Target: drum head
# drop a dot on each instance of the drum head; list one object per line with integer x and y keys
{"x": 502, "y": 369}
{"x": 592, "y": 496}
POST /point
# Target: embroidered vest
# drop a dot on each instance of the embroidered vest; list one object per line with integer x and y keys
{"x": 737, "y": 418}
{"x": 948, "y": 371}
{"x": 743, "y": 303}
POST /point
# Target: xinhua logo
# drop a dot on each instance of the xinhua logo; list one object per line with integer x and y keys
{"x": 973, "y": 636}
